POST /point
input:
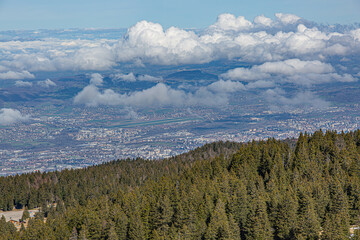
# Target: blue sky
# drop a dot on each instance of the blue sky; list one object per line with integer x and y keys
{"x": 37, "y": 14}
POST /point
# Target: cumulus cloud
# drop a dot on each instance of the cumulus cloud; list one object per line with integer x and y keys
{"x": 91, "y": 96}
{"x": 46, "y": 83}
{"x": 278, "y": 101}
{"x": 262, "y": 20}
{"x": 245, "y": 74}
{"x": 11, "y": 75}
{"x": 131, "y": 114}
{"x": 294, "y": 66}
{"x": 228, "y": 21}
{"x": 230, "y": 38}
{"x": 23, "y": 84}
{"x": 10, "y": 116}
{"x": 23, "y": 57}
{"x": 292, "y": 70}
{"x": 96, "y": 79}
{"x": 150, "y": 43}
{"x": 226, "y": 86}
{"x": 287, "y": 18}
{"x": 311, "y": 78}
{"x": 150, "y": 78}
{"x": 130, "y": 77}
{"x": 215, "y": 94}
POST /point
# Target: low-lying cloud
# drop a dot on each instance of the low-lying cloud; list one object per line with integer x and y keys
{"x": 215, "y": 94}
{"x": 303, "y": 100}
{"x": 292, "y": 70}
{"x": 279, "y": 50}
{"x": 13, "y": 75}
{"x": 131, "y": 77}
{"x": 10, "y": 116}
{"x": 46, "y": 83}
{"x": 23, "y": 84}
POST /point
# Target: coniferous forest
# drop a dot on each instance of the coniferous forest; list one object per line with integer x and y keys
{"x": 308, "y": 188}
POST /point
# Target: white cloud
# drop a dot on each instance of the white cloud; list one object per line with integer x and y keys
{"x": 130, "y": 77}
{"x": 97, "y": 58}
{"x": 23, "y": 84}
{"x": 91, "y": 96}
{"x": 244, "y": 74}
{"x": 337, "y": 49}
{"x": 294, "y": 71}
{"x": 10, "y": 116}
{"x": 11, "y": 75}
{"x": 57, "y": 55}
{"x": 149, "y": 42}
{"x": 226, "y": 86}
{"x": 160, "y": 94}
{"x": 232, "y": 38}
{"x": 146, "y": 43}
{"x": 215, "y": 94}
{"x": 294, "y": 66}
{"x": 96, "y": 79}
{"x": 149, "y": 78}
{"x": 287, "y": 18}
{"x": 46, "y": 83}
{"x": 228, "y": 21}
{"x": 355, "y": 34}
{"x": 310, "y": 79}
{"x": 262, "y": 20}
{"x": 302, "y": 100}
{"x": 131, "y": 114}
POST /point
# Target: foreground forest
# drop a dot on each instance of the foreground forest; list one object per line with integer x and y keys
{"x": 307, "y": 188}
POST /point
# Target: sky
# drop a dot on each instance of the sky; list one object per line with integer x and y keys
{"x": 45, "y": 14}
{"x": 276, "y": 39}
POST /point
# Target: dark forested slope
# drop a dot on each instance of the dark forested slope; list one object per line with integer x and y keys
{"x": 260, "y": 190}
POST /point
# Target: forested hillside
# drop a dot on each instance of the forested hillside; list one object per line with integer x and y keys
{"x": 304, "y": 189}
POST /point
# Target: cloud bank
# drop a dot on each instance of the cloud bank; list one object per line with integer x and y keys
{"x": 10, "y": 116}
{"x": 13, "y": 75}
{"x": 306, "y": 99}
{"x": 215, "y": 94}
{"x": 291, "y": 70}
{"x": 279, "y": 50}
{"x": 229, "y": 38}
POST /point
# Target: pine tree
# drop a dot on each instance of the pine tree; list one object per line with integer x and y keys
{"x": 136, "y": 227}
{"x": 112, "y": 235}
{"x": 219, "y": 225}
{"x": 26, "y": 214}
{"x": 285, "y": 220}
{"x": 336, "y": 225}
{"x": 257, "y": 224}
{"x": 83, "y": 233}
{"x": 121, "y": 222}
{"x": 74, "y": 234}
{"x": 308, "y": 221}
{"x": 37, "y": 229}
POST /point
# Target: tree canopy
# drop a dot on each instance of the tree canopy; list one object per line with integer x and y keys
{"x": 307, "y": 188}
